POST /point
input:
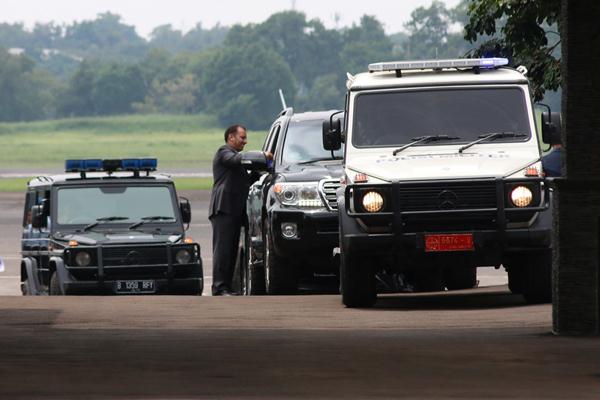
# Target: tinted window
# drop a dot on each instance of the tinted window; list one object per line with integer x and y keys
{"x": 304, "y": 142}
{"x": 85, "y": 205}
{"x": 393, "y": 118}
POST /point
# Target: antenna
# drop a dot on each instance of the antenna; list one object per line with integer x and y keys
{"x": 283, "y": 104}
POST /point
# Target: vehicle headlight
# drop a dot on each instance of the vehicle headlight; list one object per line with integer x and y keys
{"x": 183, "y": 256}
{"x": 300, "y": 194}
{"x": 83, "y": 259}
{"x": 372, "y": 201}
{"x": 521, "y": 196}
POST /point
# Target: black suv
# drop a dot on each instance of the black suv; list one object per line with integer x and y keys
{"x": 107, "y": 227}
{"x": 292, "y": 227}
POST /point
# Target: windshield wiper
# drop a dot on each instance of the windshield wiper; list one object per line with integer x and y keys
{"x": 320, "y": 159}
{"x": 490, "y": 136}
{"x": 150, "y": 219}
{"x": 103, "y": 219}
{"x": 424, "y": 139}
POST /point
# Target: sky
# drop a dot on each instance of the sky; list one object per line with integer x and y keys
{"x": 184, "y": 14}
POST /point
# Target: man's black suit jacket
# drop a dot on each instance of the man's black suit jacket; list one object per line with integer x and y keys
{"x": 231, "y": 183}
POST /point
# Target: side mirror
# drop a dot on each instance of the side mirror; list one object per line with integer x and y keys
{"x": 186, "y": 211}
{"x": 551, "y": 127}
{"x": 255, "y": 161}
{"x": 332, "y": 134}
{"x": 38, "y": 217}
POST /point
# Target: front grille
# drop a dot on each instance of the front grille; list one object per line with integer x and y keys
{"x": 447, "y": 196}
{"x": 328, "y": 188}
{"x": 148, "y": 255}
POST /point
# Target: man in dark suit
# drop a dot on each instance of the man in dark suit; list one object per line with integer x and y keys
{"x": 227, "y": 207}
{"x": 552, "y": 162}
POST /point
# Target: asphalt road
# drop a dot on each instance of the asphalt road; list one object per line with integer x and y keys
{"x": 482, "y": 343}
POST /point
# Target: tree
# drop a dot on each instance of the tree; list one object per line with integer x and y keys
{"x": 523, "y": 35}
{"x": 177, "y": 96}
{"x": 365, "y": 44}
{"x": 241, "y": 83}
{"x": 78, "y": 100}
{"x": 116, "y": 87}
{"x": 26, "y": 93}
{"x": 326, "y": 93}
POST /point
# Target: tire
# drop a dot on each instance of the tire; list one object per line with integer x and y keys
{"x": 516, "y": 276}
{"x": 25, "y": 288}
{"x": 460, "y": 277}
{"x": 357, "y": 281}
{"x": 429, "y": 279}
{"x": 250, "y": 280}
{"x": 54, "y": 289}
{"x": 280, "y": 274}
{"x": 537, "y": 285}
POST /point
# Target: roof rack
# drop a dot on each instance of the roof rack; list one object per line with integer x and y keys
{"x": 475, "y": 63}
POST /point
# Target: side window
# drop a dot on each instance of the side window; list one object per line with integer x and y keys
{"x": 271, "y": 147}
{"x": 29, "y": 202}
{"x": 271, "y": 138}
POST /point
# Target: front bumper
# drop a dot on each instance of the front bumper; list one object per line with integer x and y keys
{"x": 107, "y": 269}
{"x": 318, "y": 233}
{"x": 397, "y": 232}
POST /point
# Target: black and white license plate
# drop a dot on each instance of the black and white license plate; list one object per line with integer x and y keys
{"x": 145, "y": 286}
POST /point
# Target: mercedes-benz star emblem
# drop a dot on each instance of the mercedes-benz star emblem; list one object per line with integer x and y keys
{"x": 132, "y": 258}
{"x": 447, "y": 200}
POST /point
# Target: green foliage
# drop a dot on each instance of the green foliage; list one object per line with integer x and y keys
{"x": 26, "y": 93}
{"x": 240, "y": 84}
{"x": 325, "y": 94}
{"x": 177, "y": 96}
{"x": 104, "y": 68}
{"x": 430, "y": 34}
{"x": 520, "y": 32}
{"x": 364, "y": 44}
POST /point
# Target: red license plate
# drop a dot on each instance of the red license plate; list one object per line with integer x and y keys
{"x": 454, "y": 242}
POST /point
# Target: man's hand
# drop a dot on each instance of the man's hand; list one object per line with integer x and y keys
{"x": 268, "y": 155}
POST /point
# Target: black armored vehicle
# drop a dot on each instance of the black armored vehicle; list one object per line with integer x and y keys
{"x": 292, "y": 227}
{"x": 108, "y": 227}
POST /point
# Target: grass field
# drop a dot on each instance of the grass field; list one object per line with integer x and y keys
{"x": 20, "y": 184}
{"x": 178, "y": 141}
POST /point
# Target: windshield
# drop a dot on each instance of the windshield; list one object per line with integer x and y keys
{"x": 86, "y": 205}
{"x": 304, "y": 142}
{"x": 394, "y": 118}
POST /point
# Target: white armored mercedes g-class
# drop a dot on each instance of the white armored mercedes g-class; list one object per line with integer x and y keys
{"x": 442, "y": 175}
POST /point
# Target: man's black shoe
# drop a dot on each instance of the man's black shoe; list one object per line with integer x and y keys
{"x": 224, "y": 292}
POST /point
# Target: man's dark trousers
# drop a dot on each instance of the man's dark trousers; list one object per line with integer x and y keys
{"x": 226, "y": 236}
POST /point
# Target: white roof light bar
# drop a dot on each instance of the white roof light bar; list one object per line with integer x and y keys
{"x": 438, "y": 64}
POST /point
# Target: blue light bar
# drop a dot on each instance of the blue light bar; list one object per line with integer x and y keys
{"x": 439, "y": 64}
{"x": 131, "y": 164}
{"x": 74, "y": 165}
{"x": 148, "y": 164}
{"x": 128, "y": 164}
{"x": 92, "y": 165}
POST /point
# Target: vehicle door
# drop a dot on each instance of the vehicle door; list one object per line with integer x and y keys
{"x": 258, "y": 190}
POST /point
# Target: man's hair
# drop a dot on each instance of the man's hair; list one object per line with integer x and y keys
{"x": 232, "y": 130}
